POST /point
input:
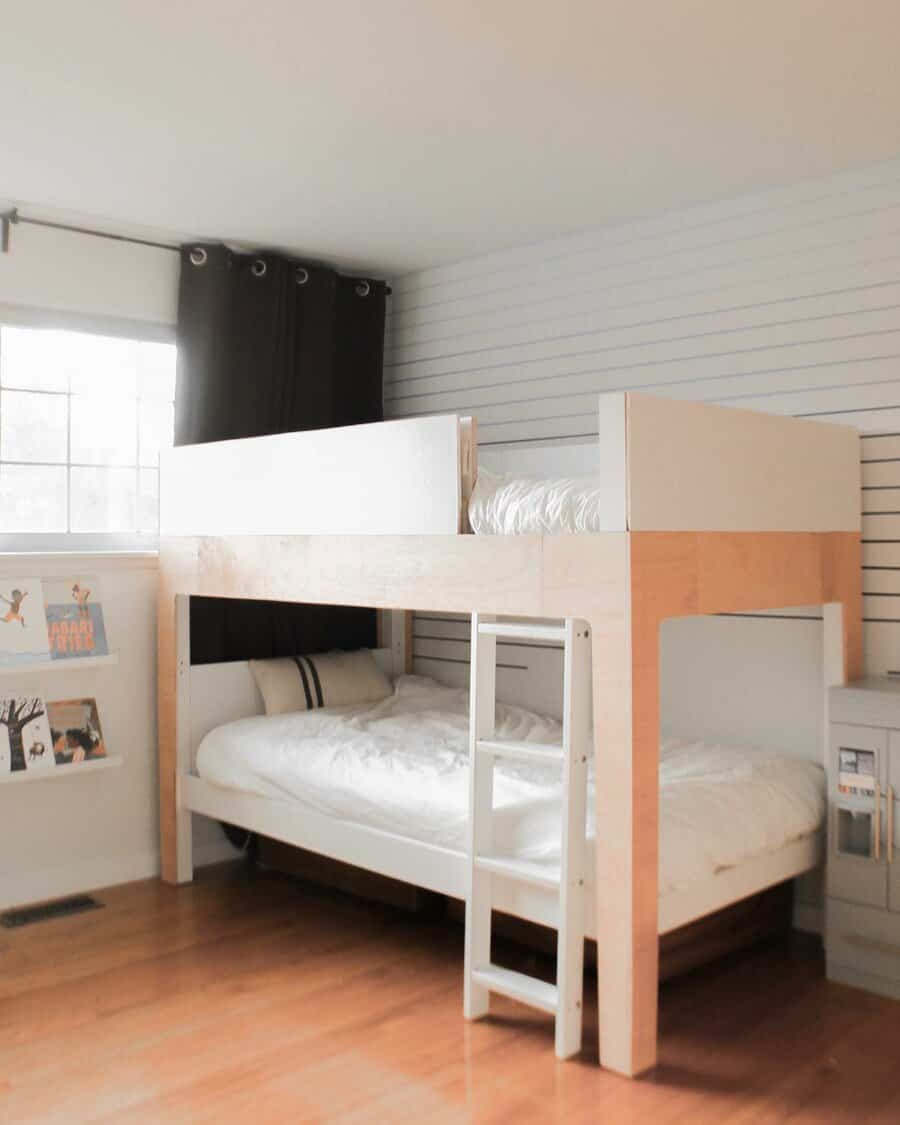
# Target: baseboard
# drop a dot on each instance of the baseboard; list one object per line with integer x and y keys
{"x": 92, "y": 874}
{"x": 216, "y": 851}
{"x": 76, "y": 878}
{"x": 846, "y": 974}
{"x": 809, "y": 919}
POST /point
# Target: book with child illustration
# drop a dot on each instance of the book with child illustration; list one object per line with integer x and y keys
{"x": 23, "y": 625}
{"x": 75, "y": 619}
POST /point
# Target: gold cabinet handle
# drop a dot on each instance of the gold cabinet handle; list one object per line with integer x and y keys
{"x": 890, "y": 825}
{"x": 877, "y": 820}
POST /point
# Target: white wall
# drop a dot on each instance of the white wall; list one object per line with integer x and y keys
{"x": 76, "y": 833}
{"x": 787, "y": 301}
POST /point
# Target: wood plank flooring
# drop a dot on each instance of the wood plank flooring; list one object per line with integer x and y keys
{"x": 248, "y": 997}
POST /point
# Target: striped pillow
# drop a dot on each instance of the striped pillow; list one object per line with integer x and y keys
{"x": 328, "y": 679}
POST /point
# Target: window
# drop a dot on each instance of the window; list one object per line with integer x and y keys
{"x": 82, "y": 420}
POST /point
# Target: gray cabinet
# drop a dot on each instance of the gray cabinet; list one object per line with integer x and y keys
{"x": 862, "y": 927}
{"x": 892, "y": 821}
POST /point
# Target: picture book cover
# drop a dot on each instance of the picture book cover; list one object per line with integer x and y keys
{"x": 23, "y": 627}
{"x": 856, "y": 776}
{"x": 25, "y": 740}
{"x": 75, "y": 731}
{"x": 75, "y": 623}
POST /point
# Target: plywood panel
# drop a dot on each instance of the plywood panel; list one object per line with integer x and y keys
{"x": 706, "y": 468}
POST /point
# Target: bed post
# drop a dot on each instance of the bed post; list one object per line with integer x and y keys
{"x": 842, "y": 611}
{"x": 400, "y": 630}
{"x": 626, "y": 754}
{"x": 174, "y": 735}
{"x": 468, "y": 468}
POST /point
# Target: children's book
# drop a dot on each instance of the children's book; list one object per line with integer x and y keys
{"x": 23, "y": 627}
{"x": 856, "y": 776}
{"x": 75, "y": 623}
{"x": 75, "y": 731}
{"x": 26, "y": 745}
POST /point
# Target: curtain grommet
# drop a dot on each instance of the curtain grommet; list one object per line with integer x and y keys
{"x": 198, "y": 256}
{"x": 258, "y": 269}
{"x": 302, "y": 275}
{"x": 362, "y": 289}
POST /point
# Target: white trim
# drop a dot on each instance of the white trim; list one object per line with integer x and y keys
{"x": 28, "y": 886}
{"x": 809, "y": 919}
{"x": 91, "y": 875}
{"x": 65, "y": 562}
{"x": 214, "y": 851}
{"x": 65, "y": 542}
{"x": 62, "y": 320}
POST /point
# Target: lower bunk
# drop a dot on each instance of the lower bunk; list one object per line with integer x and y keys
{"x": 384, "y": 786}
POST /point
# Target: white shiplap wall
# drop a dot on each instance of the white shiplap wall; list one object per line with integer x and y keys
{"x": 787, "y": 301}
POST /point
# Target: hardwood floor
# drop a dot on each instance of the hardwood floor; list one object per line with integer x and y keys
{"x": 248, "y": 997}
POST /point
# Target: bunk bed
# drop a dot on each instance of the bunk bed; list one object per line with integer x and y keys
{"x": 695, "y": 510}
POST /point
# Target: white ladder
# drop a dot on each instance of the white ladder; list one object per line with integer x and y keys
{"x": 482, "y": 977}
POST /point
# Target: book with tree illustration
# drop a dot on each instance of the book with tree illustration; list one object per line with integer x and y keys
{"x": 23, "y": 627}
{"x": 75, "y": 731}
{"x": 75, "y": 623}
{"x": 25, "y": 740}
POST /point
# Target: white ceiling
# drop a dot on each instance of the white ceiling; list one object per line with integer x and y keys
{"x": 394, "y": 135}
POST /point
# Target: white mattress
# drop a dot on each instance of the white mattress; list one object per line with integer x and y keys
{"x": 402, "y": 765}
{"x": 503, "y": 504}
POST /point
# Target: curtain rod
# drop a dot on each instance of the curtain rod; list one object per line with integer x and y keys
{"x": 11, "y": 217}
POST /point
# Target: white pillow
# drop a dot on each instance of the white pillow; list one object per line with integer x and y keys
{"x": 506, "y": 505}
{"x": 328, "y": 679}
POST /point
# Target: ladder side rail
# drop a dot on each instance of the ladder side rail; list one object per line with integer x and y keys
{"x": 576, "y": 746}
{"x": 482, "y": 718}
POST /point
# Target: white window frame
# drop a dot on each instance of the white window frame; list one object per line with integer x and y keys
{"x": 67, "y": 542}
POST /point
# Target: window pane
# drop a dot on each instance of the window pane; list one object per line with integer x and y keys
{"x": 32, "y": 498}
{"x": 104, "y": 430}
{"x": 156, "y": 371}
{"x": 103, "y": 499}
{"x": 157, "y": 429}
{"x": 33, "y": 359}
{"x": 78, "y": 414}
{"x": 32, "y": 426}
{"x": 102, "y": 365}
{"x": 148, "y": 500}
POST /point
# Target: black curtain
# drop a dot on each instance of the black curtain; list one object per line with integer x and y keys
{"x": 268, "y": 344}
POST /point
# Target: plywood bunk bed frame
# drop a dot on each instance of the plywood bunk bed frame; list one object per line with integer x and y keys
{"x": 708, "y": 510}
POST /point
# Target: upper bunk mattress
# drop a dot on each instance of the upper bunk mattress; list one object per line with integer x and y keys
{"x": 504, "y": 504}
{"x": 401, "y": 765}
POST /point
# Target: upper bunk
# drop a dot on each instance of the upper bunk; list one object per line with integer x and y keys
{"x": 655, "y": 465}
{"x": 708, "y": 509}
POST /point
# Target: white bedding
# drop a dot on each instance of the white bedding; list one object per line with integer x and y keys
{"x": 503, "y": 504}
{"x": 402, "y": 765}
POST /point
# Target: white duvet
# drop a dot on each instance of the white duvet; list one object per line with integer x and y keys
{"x": 402, "y": 765}
{"x": 508, "y": 505}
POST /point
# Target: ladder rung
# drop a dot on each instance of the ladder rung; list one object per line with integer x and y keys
{"x": 525, "y": 751}
{"x": 522, "y": 870}
{"x": 523, "y": 632}
{"x": 519, "y": 986}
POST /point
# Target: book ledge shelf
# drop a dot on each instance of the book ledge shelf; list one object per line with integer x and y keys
{"x": 63, "y": 771}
